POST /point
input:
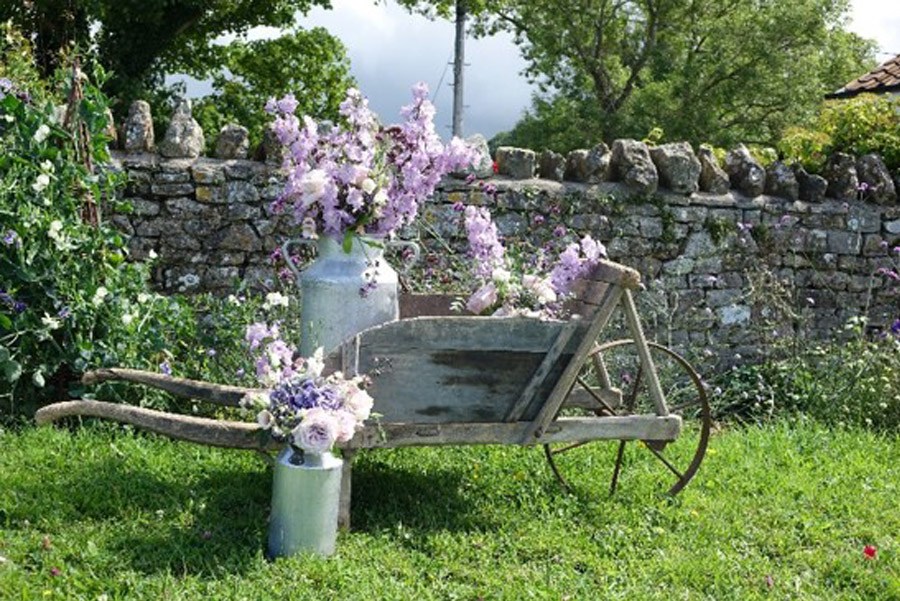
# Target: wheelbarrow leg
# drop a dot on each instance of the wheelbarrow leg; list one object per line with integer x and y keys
{"x": 346, "y": 477}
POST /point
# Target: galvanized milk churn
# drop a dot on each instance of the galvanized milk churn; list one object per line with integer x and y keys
{"x": 306, "y": 493}
{"x": 344, "y": 293}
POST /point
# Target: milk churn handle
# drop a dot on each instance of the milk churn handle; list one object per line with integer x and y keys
{"x": 416, "y": 253}
{"x": 286, "y": 252}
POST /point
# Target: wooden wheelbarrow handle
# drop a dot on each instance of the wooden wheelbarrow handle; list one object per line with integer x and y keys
{"x": 229, "y": 396}
{"x": 214, "y": 432}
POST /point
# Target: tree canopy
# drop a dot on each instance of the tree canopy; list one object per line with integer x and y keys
{"x": 312, "y": 64}
{"x": 703, "y": 70}
{"x": 141, "y": 40}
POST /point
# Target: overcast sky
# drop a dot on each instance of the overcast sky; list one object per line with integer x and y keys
{"x": 391, "y": 49}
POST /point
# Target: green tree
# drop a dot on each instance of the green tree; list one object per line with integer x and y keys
{"x": 138, "y": 41}
{"x": 703, "y": 70}
{"x": 313, "y": 65}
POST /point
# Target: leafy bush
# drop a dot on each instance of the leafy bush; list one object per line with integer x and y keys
{"x": 860, "y": 125}
{"x": 840, "y": 383}
{"x": 69, "y": 299}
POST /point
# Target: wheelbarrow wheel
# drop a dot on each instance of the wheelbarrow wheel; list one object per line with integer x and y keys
{"x": 614, "y": 384}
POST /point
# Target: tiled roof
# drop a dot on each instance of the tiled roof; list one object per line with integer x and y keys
{"x": 884, "y": 78}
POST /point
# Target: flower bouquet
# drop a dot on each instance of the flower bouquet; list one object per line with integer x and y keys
{"x": 302, "y": 407}
{"x": 507, "y": 287}
{"x": 357, "y": 176}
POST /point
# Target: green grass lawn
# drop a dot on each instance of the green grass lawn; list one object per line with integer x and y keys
{"x": 779, "y": 512}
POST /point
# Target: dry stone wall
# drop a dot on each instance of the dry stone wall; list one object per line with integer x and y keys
{"x": 734, "y": 256}
{"x": 717, "y": 266}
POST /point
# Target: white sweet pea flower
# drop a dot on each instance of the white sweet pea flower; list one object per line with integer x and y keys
{"x": 50, "y": 322}
{"x": 316, "y": 364}
{"x": 312, "y": 186}
{"x": 380, "y": 199}
{"x": 275, "y": 299}
{"x": 41, "y": 182}
{"x": 41, "y": 134}
{"x": 99, "y": 296}
{"x": 540, "y": 287}
{"x": 500, "y": 275}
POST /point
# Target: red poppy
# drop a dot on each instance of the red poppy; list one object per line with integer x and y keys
{"x": 869, "y": 552}
{"x": 496, "y": 167}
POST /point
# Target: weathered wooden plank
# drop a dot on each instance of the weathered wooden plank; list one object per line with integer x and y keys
{"x": 435, "y": 386}
{"x": 539, "y": 379}
{"x": 219, "y": 394}
{"x": 589, "y": 292}
{"x": 579, "y": 398}
{"x": 564, "y": 429}
{"x": 615, "y": 273}
{"x": 567, "y": 379}
{"x": 648, "y": 369}
{"x": 464, "y": 333}
{"x": 213, "y": 432}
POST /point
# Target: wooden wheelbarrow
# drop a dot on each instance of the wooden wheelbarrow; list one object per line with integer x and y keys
{"x": 485, "y": 380}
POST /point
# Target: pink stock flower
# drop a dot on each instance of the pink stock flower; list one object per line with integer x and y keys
{"x": 484, "y": 297}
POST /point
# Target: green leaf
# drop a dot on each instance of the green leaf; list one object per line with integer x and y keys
{"x": 11, "y": 370}
{"x": 348, "y": 242}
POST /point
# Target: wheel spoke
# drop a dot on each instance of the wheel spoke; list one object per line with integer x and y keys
{"x": 665, "y": 461}
{"x": 574, "y": 445}
{"x": 620, "y": 453}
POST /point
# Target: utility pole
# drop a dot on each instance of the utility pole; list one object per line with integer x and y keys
{"x": 458, "y": 65}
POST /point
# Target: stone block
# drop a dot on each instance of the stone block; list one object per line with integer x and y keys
{"x": 517, "y": 163}
{"x": 844, "y": 243}
{"x": 240, "y": 191}
{"x": 184, "y": 189}
{"x": 240, "y": 237}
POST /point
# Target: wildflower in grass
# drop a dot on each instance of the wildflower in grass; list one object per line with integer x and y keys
{"x": 870, "y": 552}
{"x": 165, "y": 368}
{"x": 51, "y": 323}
